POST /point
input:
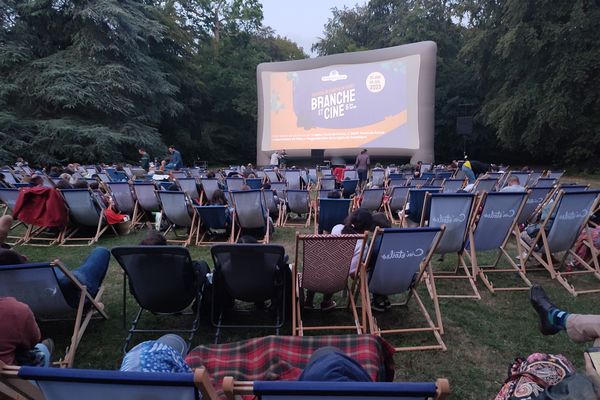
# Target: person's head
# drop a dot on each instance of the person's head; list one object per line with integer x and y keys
{"x": 218, "y": 198}
{"x": 210, "y": 174}
{"x": 380, "y": 220}
{"x": 65, "y": 177}
{"x": 419, "y": 163}
{"x": 154, "y": 238}
{"x": 94, "y": 185}
{"x": 81, "y": 184}
{"x": 62, "y": 184}
{"x": 36, "y": 180}
{"x": 513, "y": 181}
{"x": 358, "y": 221}
{"x": 119, "y": 167}
{"x": 266, "y": 186}
{"x": 334, "y": 194}
{"x": 11, "y": 257}
{"x": 363, "y": 151}
{"x": 54, "y": 170}
{"x": 171, "y": 148}
{"x": 142, "y": 150}
{"x": 248, "y": 239}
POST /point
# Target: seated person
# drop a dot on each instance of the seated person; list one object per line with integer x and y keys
{"x": 165, "y": 354}
{"x": 90, "y": 273}
{"x": 20, "y": 336}
{"x": 379, "y": 302}
{"x": 513, "y": 185}
{"x": 330, "y": 364}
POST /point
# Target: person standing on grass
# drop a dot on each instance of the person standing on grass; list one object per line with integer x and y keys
{"x": 144, "y": 159}
{"x": 362, "y": 164}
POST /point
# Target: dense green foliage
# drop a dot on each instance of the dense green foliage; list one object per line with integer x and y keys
{"x": 94, "y": 79}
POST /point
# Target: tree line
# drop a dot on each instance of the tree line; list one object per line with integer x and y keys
{"x": 95, "y": 79}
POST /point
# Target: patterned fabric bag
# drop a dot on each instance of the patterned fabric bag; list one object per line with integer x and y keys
{"x": 528, "y": 378}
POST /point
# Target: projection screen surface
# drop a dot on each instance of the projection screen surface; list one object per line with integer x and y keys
{"x": 380, "y": 100}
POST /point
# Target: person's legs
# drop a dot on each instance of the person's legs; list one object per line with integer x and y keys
{"x": 90, "y": 274}
{"x": 583, "y": 328}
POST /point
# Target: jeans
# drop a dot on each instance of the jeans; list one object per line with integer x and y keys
{"x": 469, "y": 173}
{"x": 90, "y": 274}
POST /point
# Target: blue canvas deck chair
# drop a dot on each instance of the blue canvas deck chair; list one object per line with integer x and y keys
{"x": 254, "y": 183}
{"x": 178, "y": 211}
{"x": 292, "y": 177}
{"x": 454, "y": 211}
{"x": 378, "y": 177}
{"x": 280, "y": 188}
{"x": 299, "y": 203}
{"x": 325, "y": 171}
{"x": 522, "y": 175}
{"x": 84, "y": 213}
{"x": 147, "y": 201}
{"x": 209, "y": 186}
{"x": 485, "y": 185}
{"x": 251, "y": 273}
{"x": 568, "y": 216}
{"x": 556, "y": 175}
{"x": 8, "y": 197}
{"x": 331, "y": 212}
{"x": 349, "y": 187}
{"x": 400, "y": 260}
{"x": 413, "y": 213}
{"x": 179, "y": 174}
{"x": 498, "y": 220}
{"x": 418, "y": 182}
{"x": 163, "y": 281}
{"x": 251, "y": 213}
{"x": 124, "y": 200}
{"x": 272, "y": 175}
{"x": 324, "y": 193}
{"x": 37, "y": 286}
{"x": 371, "y": 199}
{"x": 38, "y": 383}
{"x": 453, "y": 185}
{"x": 396, "y": 204}
{"x": 350, "y": 173}
{"x": 327, "y": 183}
{"x": 273, "y": 205}
{"x": 214, "y": 222}
{"x": 399, "y": 181}
{"x": 322, "y": 265}
{"x": 535, "y": 201}
{"x": 234, "y": 184}
{"x": 534, "y": 176}
{"x": 312, "y": 177}
{"x": 115, "y": 176}
{"x": 189, "y": 187}
{"x": 284, "y": 390}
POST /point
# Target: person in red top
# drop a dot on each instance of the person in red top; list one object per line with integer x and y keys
{"x": 20, "y": 336}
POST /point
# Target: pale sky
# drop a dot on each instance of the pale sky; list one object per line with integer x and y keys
{"x": 302, "y": 21}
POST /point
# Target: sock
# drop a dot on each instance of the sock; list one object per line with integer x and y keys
{"x": 558, "y": 318}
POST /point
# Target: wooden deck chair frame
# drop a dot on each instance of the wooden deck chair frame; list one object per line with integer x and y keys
{"x": 360, "y": 323}
{"x": 264, "y": 211}
{"x": 425, "y": 273}
{"x": 548, "y": 263}
{"x": 185, "y": 240}
{"x": 86, "y": 308}
{"x": 461, "y": 265}
{"x": 234, "y": 389}
{"x": 287, "y": 209}
{"x": 482, "y": 271}
{"x": 68, "y": 239}
{"x": 200, "y": 240}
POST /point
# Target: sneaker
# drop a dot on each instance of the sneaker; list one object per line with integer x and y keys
{"x": 328, "y": 305}
{"x": 542, "y": 305}
{"x": 378, "y": 306}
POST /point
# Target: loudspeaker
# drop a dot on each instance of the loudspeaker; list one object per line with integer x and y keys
{"x": 317, "y": 156}
{"x": 464, "y": 126}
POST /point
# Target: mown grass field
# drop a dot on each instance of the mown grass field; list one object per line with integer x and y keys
{"x": 483, "y": 337}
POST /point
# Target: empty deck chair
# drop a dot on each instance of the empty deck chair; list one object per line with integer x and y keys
{"x": 485, "y": 185}
{"x": 179, "y": 174}
{"x": 178, "y": 211}
{"x": 37, "y": 286}
{"x": 292, "y": 177}
{"x": 214, "y": 221}
{"x": 251, "y": 273}
{"x": 234, "y": 184}
{"x": 252, "y": 214}
{"x": 322, "y": 264}
{"x": 400, "y": 259}
{"x": 393, "y": 182}
{"x": 497, "y": 222}
{"x": 208, "y": 189}
{"x": 568, "y": 216}
{"x": 327, "y": 183}
{"x": 418, "y": 182}
{"x": 84, "y": 213}
{"x": 148, "y": 203}
{"x": 371, "y": 199}
{"x": 349, "y": 187}
{"x": 189, "y": 187}
{"x": 572, "y": 187}
{"x": 533, "y": 178}
{"x": 298, "y": 202}
{"x": 163, "y": 281}
{"x": 545, "y": 183}
{"x": 453, "y": 185}
{"x": 8, "y": 197}
{"x": 331, "y": 212}
{"x": 438, "y": 390}
{"x": 396, "y": 204}
{"x": 556, "y": 175}
{"x": 454, "y": 211}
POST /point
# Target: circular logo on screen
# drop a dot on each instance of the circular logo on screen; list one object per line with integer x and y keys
{"x": 375, "y": 82}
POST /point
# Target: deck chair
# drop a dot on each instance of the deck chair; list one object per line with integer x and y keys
{"x": 251, "y": 213}
{"x": 273, "y": 206}
{"x": 393, "y": 182}
{"x": 572, "y": 187}
{"x": 533, "y": 178}
{"x": 523, "y": 177}
{"x": 38, "y": 383}
{"x": 415, "y": 202}
{"x": 401, "y": 260}
{"x": 147, "y": 201}
{"x": 213, "y": 221}
{"x": 270, "y": 390}
{"x": 453, "y": 185}
{"x": 418, "y": 182}
{"x": 444, "y": 175}
{"x": 556, "y": 175}
{"x": 208, "y": 189}
{"x": 8, "y": 197}
{"x": 272, "y": 175}
{"x": 497, "y": 222}
{"x": 234, "y": 184}
{"x": 84, "y": 213}
{"x": 322, "y": 264}
{"x": 350, "y": 173}
{"x": 545, "y": 183}
{"x": 163, "y": 281}
{"x": 395, "y": 175}
{"x": 37, "y": 286}
{"x": 454, "y": 211}
{"x": 298, "y": 202}
{"x": 124, "y": 200}
{"x": 327, "y": 184}
{"x": 9, "y": 177}
{"x": 568, "y": 216}
{"x": 115, "y": 176}
{"x": 254, "y": 183}
{"x": 485, "y": 185}
{"x": 279, "y": 187}
{"x": 326, "y": 171}
{"x": 249, "y": 273}
{"x": 292, "y": 177}
{"x": 312, "y": 177}
{"x": 189, "y": 187}
{"x": 535, "y": 201}
{"x": 460, "y": 174}
{"x": 331, "y": 212}
{"x": 349, "y": 187}
{"x": 178, "y": 211}
{"x": 179, "y": 174}
{"x": 372, "y": 199}
{"x": 378, "y": 177}
{"x": 396, "y": 204}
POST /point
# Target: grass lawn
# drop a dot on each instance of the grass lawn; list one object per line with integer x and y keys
{"x": 483, "y": 337}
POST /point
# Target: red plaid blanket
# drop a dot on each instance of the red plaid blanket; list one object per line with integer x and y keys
{"x": 284, "y": 357}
